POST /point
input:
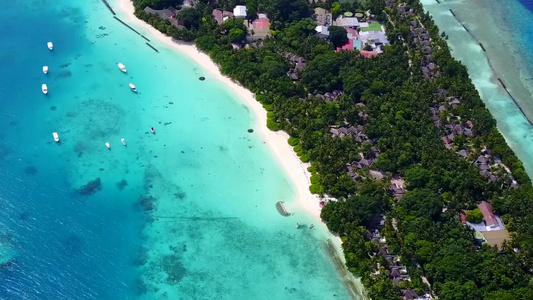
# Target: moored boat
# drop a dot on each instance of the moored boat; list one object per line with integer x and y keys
{"x": 132, "y": 87}
{"x": 44, "y": 89}
{"x": 123, "y": 142}
{"x": 50, "y": 45}
{"x": 56, "y": 136}
{"x": 122, "y": 67}
{"x": 45, "y": 69}
{"x": 152, "y": 129}
{"x": 108, "y": 146}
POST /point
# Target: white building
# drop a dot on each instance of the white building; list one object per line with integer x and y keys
{"x": 322, "y": 31}
{"x": 347, "y": 22}
{"x": 239, "y": 11}
{"x": 376, "y": 39}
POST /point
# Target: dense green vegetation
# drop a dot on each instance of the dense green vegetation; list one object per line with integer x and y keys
{"x": 391, "y": 99}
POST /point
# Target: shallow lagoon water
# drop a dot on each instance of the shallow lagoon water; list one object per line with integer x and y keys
{"x": 185, "y": 213}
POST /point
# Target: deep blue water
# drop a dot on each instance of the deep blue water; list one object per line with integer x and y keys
{"x": 65, "y": 246}
{"x": 528, "y": 4}
{"x": 527, "y": 30}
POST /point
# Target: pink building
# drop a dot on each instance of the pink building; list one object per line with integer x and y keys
{"x": 353, "y": 41}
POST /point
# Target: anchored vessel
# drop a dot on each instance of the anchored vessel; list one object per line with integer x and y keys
{"x": 122, "y": 67}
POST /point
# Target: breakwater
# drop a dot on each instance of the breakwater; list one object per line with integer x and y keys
{"x": 109, "y": 7}
{"x": 500, "y": 81}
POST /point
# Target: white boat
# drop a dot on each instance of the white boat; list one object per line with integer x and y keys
{"x": 123, "y": 142}
{"x": 108, "y": 146}
{"x": 122, "y": 67}
{"x": 45, "y": 89}
{"x": 50, "y": 45}
{"x": 132, "y": 87}
{"x": 45, "y": 69}
{"x": 56, "y": 136}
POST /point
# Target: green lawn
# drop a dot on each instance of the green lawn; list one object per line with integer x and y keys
{"x": 372, "y": 27}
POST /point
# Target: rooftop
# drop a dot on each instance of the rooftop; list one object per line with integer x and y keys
{"x": 496, "y": 237}
{"x": 239, "y": 11}
{"x": 347, "y": 22}
{"x": 322, "y": 30}
{"x": 488, "y": 216}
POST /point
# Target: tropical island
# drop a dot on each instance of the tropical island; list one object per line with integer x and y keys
{"x": 423, "y": 190}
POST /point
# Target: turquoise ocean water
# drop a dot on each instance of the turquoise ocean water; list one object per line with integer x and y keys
{"x": 505, "y": 28}
{"x": 186, "y": 213}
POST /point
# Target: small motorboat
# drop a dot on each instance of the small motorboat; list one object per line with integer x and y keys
{"x": 56, "y": 136}
{"x": 132, "y": 87}
{"x": 45, "y": 89}
{"x": 311, "y": 226}
{"x": 297, "y": 225}
{"x": 123, "y": 142}
{"x": 108, "y": 146}
{"x": 50, "y": 45}
{"x": 122, "y": 67}
{"x": 152, "y": 129}
{"x": 45, "y": 69}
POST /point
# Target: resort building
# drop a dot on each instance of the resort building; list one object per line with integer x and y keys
{"x": 168, "y": 13}
{"x": 346, "y": 22}
{"x": 322, "y": 31}
{"x": 239, "y": 11}
{"x": 376, "y": 39}
{"x": 258, "y": 29}
{"x": 353, "y": 41}
{"x": 491, "y": 230}
{"x": 322, "y": 17}
{"x": 496, "y": 238}
{"x": 221, "y": 16}
{"x": 488, "y": 216}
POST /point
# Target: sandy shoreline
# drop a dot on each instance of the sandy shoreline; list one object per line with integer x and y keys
{"x": 277, "y": 141}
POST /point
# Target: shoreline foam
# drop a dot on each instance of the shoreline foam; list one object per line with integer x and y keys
{"x": 276, "y": 141}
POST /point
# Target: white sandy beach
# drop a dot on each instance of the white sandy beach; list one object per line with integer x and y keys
{"x": 277, "y": 141}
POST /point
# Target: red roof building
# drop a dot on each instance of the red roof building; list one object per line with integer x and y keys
{"x": 258, "y": 29}
{"x": 488, "y": 216}
{"x": 262, "y": 23}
